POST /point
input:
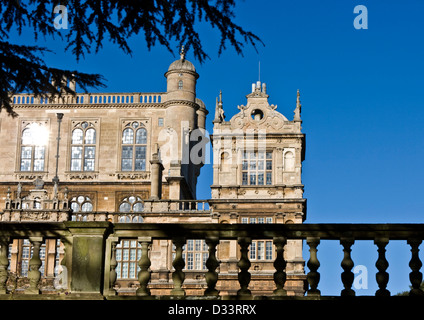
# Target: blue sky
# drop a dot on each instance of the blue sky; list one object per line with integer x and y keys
{"x": 362, "y": 107}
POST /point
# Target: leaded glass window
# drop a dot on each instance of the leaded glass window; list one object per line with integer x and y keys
{"x": 34, "y": 140}
{"x": 257, "y": 168}
{"x": 83, "y": 147}
{"x": 80, "y": 206}
{"x": 134, "y": 144}
{"x": 128, "y": 252}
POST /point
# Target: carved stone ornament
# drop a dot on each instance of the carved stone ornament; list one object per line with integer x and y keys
{"x": 134, "y": 175}
{"x": 82, "y": 175}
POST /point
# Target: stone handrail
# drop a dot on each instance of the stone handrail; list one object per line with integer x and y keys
{"x": 96, "y": 276}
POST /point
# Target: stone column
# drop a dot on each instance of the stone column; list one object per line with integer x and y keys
{"x": 156, "y": 177}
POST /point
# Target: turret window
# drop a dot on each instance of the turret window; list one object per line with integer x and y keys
{"x": 180, "y": 85}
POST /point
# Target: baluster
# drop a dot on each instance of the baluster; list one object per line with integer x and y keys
{"x": 212, "y": 263}
{"x": 178, "y": 275}
{"x": 113, "y": 263}
{"x": 382, "y": 264}
{"x": 4, "y": 263}
{"x": 244, "y": 265}
{"x": 144, "y": 263}
{"x": 61, "y": 280}
{"x": 415, "y": 264}
{"x": 313, "y": 264}
{"x": 34, "y": 273}
{"x": 280, "y": 275}
{"x": 347, "y": 265}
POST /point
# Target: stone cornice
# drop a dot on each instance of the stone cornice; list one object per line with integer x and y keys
{"x": 181, "y": 102}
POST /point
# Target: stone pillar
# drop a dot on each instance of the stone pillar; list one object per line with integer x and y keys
{"x": 88, "y": 248}
{"x": 156, "y": 177}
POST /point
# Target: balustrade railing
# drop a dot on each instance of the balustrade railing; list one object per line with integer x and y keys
{"x": 91, "y": 98}
{"x": 176, "y": 205}
{"x": 91, "y": 253}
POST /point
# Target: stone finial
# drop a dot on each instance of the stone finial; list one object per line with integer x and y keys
{"x": 19, "y": 190}
{"x": 298, "y": 107}
{"x": 219, "y": 111}
{"x": 182, "y": 53}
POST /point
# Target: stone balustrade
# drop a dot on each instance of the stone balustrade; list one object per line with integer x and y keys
{"x": 176, "y": 205}
{"x": 90, "y": 254}
{"x": 91, "y": 98}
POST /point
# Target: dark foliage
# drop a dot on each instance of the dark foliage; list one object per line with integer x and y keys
{"x": 90, "y": 23}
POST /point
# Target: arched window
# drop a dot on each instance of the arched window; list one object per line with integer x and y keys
{"x": 80, "y": 206}
{"x": 180, "y": 85}
{"x": 83, "y": 147}
{"x": 131, "y": 205}
{"x": 34, "y": 140}
{"x": 289, "y": 161}
{"x": 134, "y": 144}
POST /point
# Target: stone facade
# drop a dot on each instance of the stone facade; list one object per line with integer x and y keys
{"x": 123, "y": 157}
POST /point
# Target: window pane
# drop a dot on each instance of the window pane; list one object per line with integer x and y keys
{"x": 75, "y": 207}
{"x": 26, "y": 152}
{"x": 260, "y": 165}
{"x": 25, "y": 164}
{"x": 253, "y": 251}
{"x": 89, "y": 156}
{"x": 26, "y": 155}
{"x": 76, "y": 165}
{"x": 140, "y": 158}
{"x": 252, "y": 165}
{"x": 244, "y": 178}
{"x": 26, "y": 136}
{"x": 76, "y": 154}
{"x": 268, "y": 253}
{"x": 269, "y": 165}
{"x": 269, "y": 178}
{"x": 127, "y": 158}
{"x": 252, "y": 178}
{"x": 125, "y": 207}
{"x": 128, "y": 136}
{"x": 87, "y": 207}
{"x": 38, "y": 165}
{"x": 138, "y": 207}
{"x": 39, "y": 152}
{"x": 90, "y": 136}
{"x": 38, "y": 158}
{"x": 260, "y": 178}
{"x": 77, "y": 136}
{"x": 141, "y": 136}
{"x": 260, "y": 250}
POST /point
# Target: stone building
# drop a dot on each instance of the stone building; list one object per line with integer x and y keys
{"x": 127, "y": 158}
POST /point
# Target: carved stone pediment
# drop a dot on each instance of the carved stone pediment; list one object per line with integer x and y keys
{"x": 258, "y": 114}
